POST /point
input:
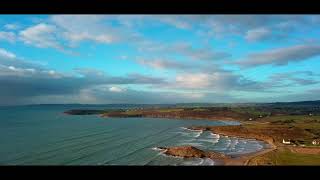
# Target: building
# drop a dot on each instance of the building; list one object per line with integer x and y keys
{"x": 286, "y": 142}
{"x": 316, "y": 142}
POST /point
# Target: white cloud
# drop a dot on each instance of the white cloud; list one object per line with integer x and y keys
{"x": 199, "y": 53}
{"x": 156, "y": 64}
{"x": 123, "y": 57}
{"x": 196, "y": 81}
{"x": 164, "y": 64}
{"x": 185, "y": 49}
{"x": 41, "y": 35}
{"x": 116, "y": 89}
{"x": 53, "y": 74}
{"x": 279, "y": 26}
{"x": 281, "y": 56}
{"x": 176, "y": 22}
{"x": 77, "y": 22}
{"x": 294, "y": 78}
{"x": 220, "y": 81}
{"x": 257, "y": 34}
{"x": 7, "y": 36}
{"x": 78, "y": 28}
{"x": 194, "y": 95}
{"x": 83, "y": 36}
{"x": 181, "y": 22}
{"x": 12, "y": 68}
{"x": 11, "y": 26}
{"x": 6, "y": 54}
{"x": 216, "y": 80}
{"x": 264, "y": 34}
{"x": 15, "y": 71}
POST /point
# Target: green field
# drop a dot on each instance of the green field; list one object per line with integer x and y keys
{"x": 286, "y": 157}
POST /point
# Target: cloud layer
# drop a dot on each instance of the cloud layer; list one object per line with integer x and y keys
{"x": 158, "y": 58}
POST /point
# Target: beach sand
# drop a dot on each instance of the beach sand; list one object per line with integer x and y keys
{"x": 245, "y": 158}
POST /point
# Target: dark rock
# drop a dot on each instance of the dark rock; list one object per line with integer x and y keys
{"x": 192, "y": 152}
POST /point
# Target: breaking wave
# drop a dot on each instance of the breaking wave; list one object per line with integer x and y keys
{"x": 210, "y": 141}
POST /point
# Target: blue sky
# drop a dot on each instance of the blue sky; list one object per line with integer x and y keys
{"x": 158, "y": 58}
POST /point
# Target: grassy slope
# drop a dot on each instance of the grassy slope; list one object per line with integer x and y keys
{"x": 305, "y": 129}
{"x": 286, "y": 157}
{"x": 310, "y": 125}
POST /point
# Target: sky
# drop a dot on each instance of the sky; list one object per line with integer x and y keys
{"x": 154, "y": 59}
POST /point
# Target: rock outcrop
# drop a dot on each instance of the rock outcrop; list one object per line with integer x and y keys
{"x": 192, "y": 152}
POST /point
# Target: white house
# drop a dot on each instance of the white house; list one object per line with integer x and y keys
{"x": 286, "y": 142}
{"x": 316, "y": 142}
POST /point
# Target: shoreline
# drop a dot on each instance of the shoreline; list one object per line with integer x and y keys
{"x": 243, "y": 159}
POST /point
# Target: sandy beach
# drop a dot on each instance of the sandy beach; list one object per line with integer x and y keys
{"x": 245, "y": 158}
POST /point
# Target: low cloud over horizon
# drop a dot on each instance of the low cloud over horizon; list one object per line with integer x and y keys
{"x": 153, "y": 59}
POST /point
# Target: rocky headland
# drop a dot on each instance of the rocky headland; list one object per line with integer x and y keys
{"x": 192, "y": 152}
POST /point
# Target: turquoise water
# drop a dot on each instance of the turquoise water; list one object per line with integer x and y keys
{"x": 43, "y": 135}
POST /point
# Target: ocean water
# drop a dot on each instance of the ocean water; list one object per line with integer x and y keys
{"x": 43, "y": 135}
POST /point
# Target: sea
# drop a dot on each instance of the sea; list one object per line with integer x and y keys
{"x": 44, "y": 135}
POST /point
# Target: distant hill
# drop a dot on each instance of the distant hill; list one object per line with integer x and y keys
{"x": 298, "y": 103}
